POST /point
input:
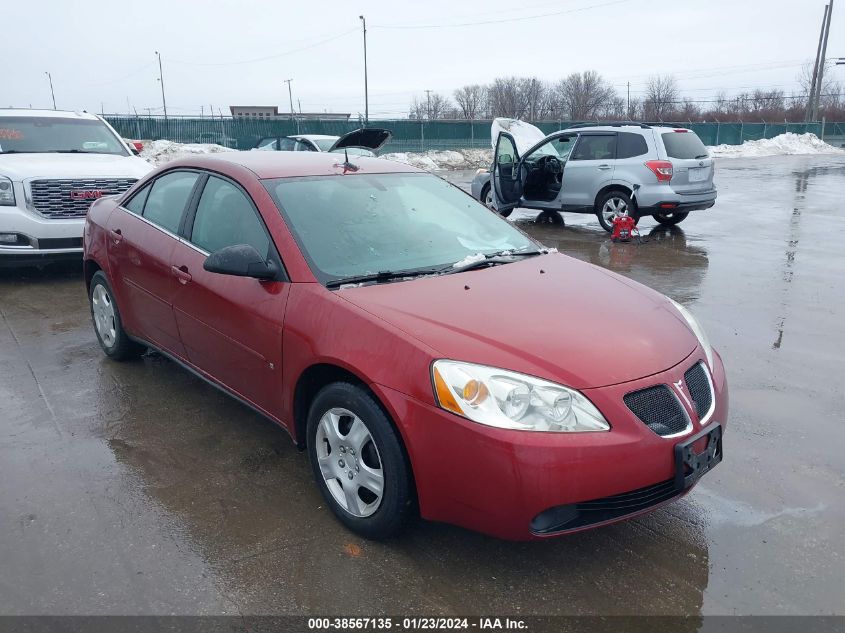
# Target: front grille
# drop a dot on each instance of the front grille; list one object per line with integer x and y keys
{"x": 658, "y": 409}
{"x": 578, "y": 515}
{"x": 699, "y": 388}
{"x": 53, "y": 199}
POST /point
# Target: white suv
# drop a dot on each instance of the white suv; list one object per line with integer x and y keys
{"x": 53, "y": 165}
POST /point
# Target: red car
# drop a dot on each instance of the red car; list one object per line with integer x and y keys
{"x": 428, "y": 355}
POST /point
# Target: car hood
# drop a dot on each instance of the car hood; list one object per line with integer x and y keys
{"x": 525, "y": 136}
{"x": 23, "y": 166}
{"x": 370, "y": 138}
{"x": 550, "y": 316}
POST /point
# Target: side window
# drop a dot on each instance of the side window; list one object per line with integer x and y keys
{"x": 168, "y": 197}
{"x": 287, "y": 144}
{"x": 505, "y": 148}
{"x": 268, "y": 144}
{"x": 629, "y": 145}
{"x": 225, "y": 217}
{"x": 595, "y": 147}
{"x": 136, "y": 204}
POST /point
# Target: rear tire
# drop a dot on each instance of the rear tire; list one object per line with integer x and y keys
{"x": 670, "y": 219}
{"x": 357, "y": 458}
{"x": 612, "y": 204}
{"x": 108, "y": 325}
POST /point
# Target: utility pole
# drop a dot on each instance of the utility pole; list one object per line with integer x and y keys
{"x": 821, "y": 63}
{"x": 52, "y": 94}
{"x": 366, "y": 92}
{"x": 290, "y": 95}
{"x": 629, "y": 101}
{"x": 428, "y": 108}
{"x": 812, "y": 93}
{"x": 161, "y": 80}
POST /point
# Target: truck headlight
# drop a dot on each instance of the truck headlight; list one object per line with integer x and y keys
{"x": 7, "y": 192}
{"x": 699, "y": 332}
{"x": 510, "y": 400}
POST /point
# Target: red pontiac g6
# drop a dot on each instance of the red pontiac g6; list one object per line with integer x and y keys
{"x": 426, "y": 353}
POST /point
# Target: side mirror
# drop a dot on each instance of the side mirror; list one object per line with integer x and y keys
{"x": 505, "y": 159}
{"x": 240, "y": 260}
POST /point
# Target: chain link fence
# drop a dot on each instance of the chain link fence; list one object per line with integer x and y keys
{"x": 412, "y": 135}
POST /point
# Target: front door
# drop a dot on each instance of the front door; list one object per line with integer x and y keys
{"x": 142, "y": 236}
{"x": 507, "y": 184}
{"x": 589, "y": 168}
{"x": 231, "y": 327}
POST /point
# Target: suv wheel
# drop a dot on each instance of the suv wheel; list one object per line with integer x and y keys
{"x": 107, "y": 323}
{"x": 611, "y": 205}
{"x": 487, "y": 199}
{"x": 670, "y": 219}
{"x": 358, "y": 461}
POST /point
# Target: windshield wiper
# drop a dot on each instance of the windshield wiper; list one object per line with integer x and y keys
{"x": 492, "y": 259}
{"x": 380, "y": 277}
{"x": 701, "y": 156}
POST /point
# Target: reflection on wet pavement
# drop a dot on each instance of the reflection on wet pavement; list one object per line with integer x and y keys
{"x": 136, "y": 488}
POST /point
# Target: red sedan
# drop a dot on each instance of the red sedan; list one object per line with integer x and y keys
{"x": 426, "y": 353}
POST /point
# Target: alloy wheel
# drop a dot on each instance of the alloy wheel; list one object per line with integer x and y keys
{"x": 612, "y": 209}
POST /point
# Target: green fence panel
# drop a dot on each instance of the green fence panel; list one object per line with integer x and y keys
{"x": 411, "y": 135}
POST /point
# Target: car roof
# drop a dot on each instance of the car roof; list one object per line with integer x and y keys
{"x": 632, "y": 127}
{"x": 292, "y": 164}
{"x": 314, "y": 137}
{"x": 54, "y": 114}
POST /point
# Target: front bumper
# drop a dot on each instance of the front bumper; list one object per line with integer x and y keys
{"x": 39, "y": 239}
{"x": 498, "y": 481}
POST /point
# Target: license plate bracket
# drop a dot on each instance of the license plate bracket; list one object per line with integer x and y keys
{"x": 691, "y": 466}
{"x": 698, "y": 174}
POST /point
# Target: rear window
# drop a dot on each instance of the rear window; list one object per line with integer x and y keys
{"x": 683, "y": 145}
{"x": 629, "y": 145}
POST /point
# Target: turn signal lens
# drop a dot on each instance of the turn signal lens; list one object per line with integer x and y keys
{"x": 475, "y": 392}
{"x": 444, "y": 395}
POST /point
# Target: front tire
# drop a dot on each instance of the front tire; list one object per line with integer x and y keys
{"x": 611, "y": 205}
{"x": 108, "y": 325}
{"x": 358, "y": 461}
{"x": 670, "y": 219}
{"x": 487, "y": 200}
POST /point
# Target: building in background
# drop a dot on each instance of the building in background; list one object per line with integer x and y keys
{"x": 272, "y": 112}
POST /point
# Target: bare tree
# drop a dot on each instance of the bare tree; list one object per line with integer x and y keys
{"x": 661, "y": 97}
{"x": 506, "y": 98}
{"x": 432, "y": 106}
{"x": 471, "y": 100}
{"x": 534, "y": 94}
{"x": 583, "y": 96}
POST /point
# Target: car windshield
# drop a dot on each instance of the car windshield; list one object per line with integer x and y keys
{"x": 52, "y": 134}
{"x": 362, "y": 224}
{"x": 325, "y": 144}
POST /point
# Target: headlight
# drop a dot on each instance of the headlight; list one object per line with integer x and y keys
{"x": 696, "y": 328}
{"x": 509, "y": 400}
{"x": 7, "y": 192}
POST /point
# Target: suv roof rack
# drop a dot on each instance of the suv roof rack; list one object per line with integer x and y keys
{"x": 611, "y": 124}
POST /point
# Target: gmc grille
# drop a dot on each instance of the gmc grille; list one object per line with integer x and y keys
{"x": 52, "y": 198}
{"x": 658, "y": 408}
{"x": 699, "y": 388}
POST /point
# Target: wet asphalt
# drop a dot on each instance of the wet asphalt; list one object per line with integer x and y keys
{"x": 135, "y": 488}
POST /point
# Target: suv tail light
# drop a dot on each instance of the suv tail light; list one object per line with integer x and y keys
{"x": 661, "y": 168}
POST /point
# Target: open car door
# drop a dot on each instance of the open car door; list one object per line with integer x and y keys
{"x": 507, "y": 184}
{"x": 368, "y": 138}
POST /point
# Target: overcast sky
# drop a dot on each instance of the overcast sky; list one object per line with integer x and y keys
{"x": 225, "y": 52}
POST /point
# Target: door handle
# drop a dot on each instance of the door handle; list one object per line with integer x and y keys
{"x": 604, "y": 166}
{"x": 181, "y": 273}
{"x": 116, "y": 235}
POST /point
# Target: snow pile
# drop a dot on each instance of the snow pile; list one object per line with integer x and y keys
{"x": 160, "y": 152}
{"x": 449, "y": 159}
{"x": 783, "y": 144}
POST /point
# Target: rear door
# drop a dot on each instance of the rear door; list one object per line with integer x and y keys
{"x": 142, "y": 236}
{"x": 507, "y": 184}
{"x": 692, "y": 167}
{"x": 589, "y": 168}
{"x": 231, "y": 327}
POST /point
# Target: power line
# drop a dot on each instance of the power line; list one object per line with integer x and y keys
{"x": 500, "y": 21}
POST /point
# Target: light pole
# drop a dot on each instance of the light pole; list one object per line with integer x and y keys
{"x": 52, "y": 94}
{"x": 366, "y": 94}
{"x": 290, "y": 96}
{"x": 161, "y": 80}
